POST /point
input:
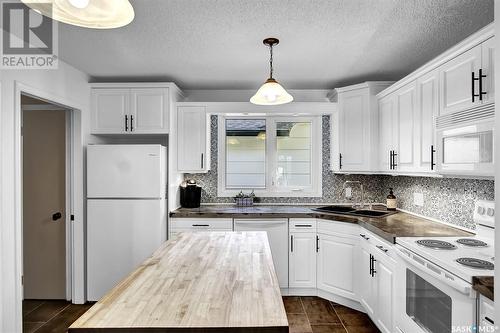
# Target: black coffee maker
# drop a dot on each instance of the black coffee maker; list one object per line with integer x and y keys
{"x": 190, "y": 194}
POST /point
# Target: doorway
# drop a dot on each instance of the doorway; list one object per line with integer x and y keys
{"x": 45, "y": 188}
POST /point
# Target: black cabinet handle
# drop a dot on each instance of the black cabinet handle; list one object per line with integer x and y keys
{"x": 317, "y": 243}
{"x": 303, "y": 225}
{"x": 56, "y": 216}
{"x": 381, "y": 248}
{"x": 126, "y": 123}
{"x": 394, "y": 164}
{"x": 291, "y": 243}
{"x": 371, "y": 267}
{"x": 391, "y": 160}
{"x": 481, "y": 92}
{"x": 200, "y": 225}
{"x": 202, "y": 160}
{"x": 473, "y": 80}
{"x": 340, "y": 161}
{"x": 432, "y": 157}
{"x": 489, "y": 320}
{"x": 131, "y": 123}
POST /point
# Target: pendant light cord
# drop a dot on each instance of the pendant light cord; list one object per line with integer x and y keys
{"x": 271, "y": 61}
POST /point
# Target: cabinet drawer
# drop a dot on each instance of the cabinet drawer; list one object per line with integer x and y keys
{"x": 201, "y": 224}
{"x": 302, "y": 225}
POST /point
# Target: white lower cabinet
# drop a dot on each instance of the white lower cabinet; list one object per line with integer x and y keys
{"x": 376, "y": 280}
{"x": 302, "y": 260}
{"x": 199, "y": 224}
{"x": 337, "y": 265}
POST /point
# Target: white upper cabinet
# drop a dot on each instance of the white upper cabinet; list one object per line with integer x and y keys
{"x": 488, "y": 69}
{"x": 132, "y": 108}
{"x": 456, "y": 81}
{"x": 403, "y": 156}
{"x": 110, "y": 111}
{"x": 149, "y": 110}
{"x": 357, "y": 127}
{"x": 192, "y": 139}
{"x": 387, "y": 112}
{"x": 426, "y": 112}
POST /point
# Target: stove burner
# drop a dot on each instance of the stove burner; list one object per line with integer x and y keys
{"x": 436, "y": 244}
{"x": 471, "y": 242}
{"x": 476, "y": 263}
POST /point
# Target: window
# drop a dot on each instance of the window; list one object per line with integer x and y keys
{"x": 273, "y": 156}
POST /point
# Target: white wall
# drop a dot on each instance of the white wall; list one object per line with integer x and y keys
{"x": 497, "y": 154}
{"x": 244, "y": 95}
{"x": 67, "y": 86}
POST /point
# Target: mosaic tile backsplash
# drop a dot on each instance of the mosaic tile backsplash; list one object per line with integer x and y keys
{"x": 450, "y": 200}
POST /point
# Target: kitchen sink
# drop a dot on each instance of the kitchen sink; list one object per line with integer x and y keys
{"x": 347, "y": 210}
{"x": 336, "y": 209}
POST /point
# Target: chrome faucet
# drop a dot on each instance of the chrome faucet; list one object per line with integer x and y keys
{"x": 355, "y": 182}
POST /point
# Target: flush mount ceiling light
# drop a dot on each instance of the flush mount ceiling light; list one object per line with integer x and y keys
{"x": 271, "y": 92}
{"x": 97, "y": 14}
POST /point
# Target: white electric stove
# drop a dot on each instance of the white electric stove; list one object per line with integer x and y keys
{"x": 435, "y": 276}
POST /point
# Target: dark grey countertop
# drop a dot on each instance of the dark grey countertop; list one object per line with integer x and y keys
{"x": 396, "y": 225}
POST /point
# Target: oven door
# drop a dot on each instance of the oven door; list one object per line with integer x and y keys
{"x": 466, "y": 149}
{"x": 429, "y": 299}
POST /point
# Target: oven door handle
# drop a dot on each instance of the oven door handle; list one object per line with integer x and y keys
{"x": 462, "y": 287}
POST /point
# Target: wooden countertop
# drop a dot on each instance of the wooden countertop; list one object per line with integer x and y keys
{"x": 485, "y": 285}
{"x": 198, "y": 282}
{"x": 389, "y": 228}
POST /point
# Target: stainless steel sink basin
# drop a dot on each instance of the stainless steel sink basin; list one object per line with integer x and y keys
{"x": 346, "y": 210}
{"x": 335, "y": 209}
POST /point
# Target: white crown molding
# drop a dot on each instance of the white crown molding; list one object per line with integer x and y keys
{"x": 374, "y": 85}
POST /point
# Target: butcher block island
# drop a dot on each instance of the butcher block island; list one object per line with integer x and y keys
{"x": 197, "y": 282}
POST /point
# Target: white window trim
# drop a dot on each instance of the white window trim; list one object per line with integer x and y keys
{"x": 271, "y": 191}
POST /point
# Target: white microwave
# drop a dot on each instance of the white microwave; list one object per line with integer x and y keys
{"x": 466, "y": 143}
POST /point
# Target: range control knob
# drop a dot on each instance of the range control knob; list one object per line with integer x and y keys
{"x": 491, "y": 212}
{"x": 481, "y": 210}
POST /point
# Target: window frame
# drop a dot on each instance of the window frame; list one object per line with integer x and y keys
{"x": 271, "y": 190}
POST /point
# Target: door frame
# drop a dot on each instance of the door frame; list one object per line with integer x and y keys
{"x": 77, "y": 236}
{"x": 68, "y": 144}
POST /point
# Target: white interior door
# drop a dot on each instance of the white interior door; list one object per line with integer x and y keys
{"x": 125, "y": 171}
{"x": 121, "y": 234}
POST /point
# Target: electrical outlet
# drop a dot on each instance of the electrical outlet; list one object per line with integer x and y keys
{"x": 418, "y": 199}
{"x": 348, "y": 192}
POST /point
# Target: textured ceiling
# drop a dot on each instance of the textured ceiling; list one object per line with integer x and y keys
{"x": 217, "y": 44}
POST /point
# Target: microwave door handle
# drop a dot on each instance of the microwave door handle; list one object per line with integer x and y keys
{"x": 462, "y": 287}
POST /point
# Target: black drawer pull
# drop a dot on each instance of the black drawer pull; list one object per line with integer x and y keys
{"x": 303, "y": 225}
{"x": 201, "y": 225}
{"x": 489, "y": 320}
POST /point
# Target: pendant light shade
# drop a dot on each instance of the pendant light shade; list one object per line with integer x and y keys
{"x": 271, "y": 92}
{"x": 96, "y": 14}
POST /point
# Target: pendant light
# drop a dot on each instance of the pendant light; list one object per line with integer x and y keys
{"x": 271, "y": 92}
{"x": 96, "y": 14}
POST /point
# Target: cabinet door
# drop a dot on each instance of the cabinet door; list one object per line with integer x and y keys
{"x": 149, "y": 110}
{"x": 191, "y": 141}
{"x": 386, "y": 115}
{"x": 336, "y": 265}
{"x": 385, "y": 281}
{"x": 109, "y": 109}
{"x": 427, "y": 110}
{"x": 404, "y": 128}
{"x": 302, "y": 262}
{"x": 354, "y": 143}
{"x": 367, "y": 284}
{"x": 488, "y": 66}
{"x": 455, "y": 78}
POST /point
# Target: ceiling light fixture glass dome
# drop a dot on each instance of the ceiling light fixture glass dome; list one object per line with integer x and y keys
{"x": 271, "y": 92}
{"x": 96, "y": 14}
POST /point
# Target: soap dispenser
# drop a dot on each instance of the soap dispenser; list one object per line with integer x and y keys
{"x": 392, "y": 202}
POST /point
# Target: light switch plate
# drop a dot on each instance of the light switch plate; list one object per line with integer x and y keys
{"x": 418, "y": 199}
{"x": 348, "y": 192}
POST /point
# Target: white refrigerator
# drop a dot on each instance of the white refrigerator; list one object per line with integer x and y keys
{"x": 126, "y": 211}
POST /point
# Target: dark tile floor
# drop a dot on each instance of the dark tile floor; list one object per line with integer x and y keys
{"x": 50, "y": 316}
{"x": 317, "y": 315}
{"x": 305, "y": 315}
